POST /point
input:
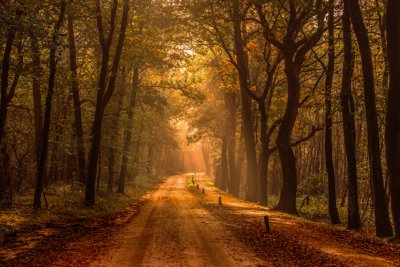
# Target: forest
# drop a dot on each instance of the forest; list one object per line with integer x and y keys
{"x": 290, "y": 109}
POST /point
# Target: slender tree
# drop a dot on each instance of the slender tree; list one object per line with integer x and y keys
{"x": 44, "y": 144}
{"x": 231, "y": 105}
{"x": 264, "y": 101}
{"x": 382, "y": 219}
{"x": 106, "y": 86}
{"x": 333, "y": 212}
{"x": 115, "y": 126}
{"x": 349, "y": 128}
{"x": 246, "y": 103}
{"x": 128, "y": 130}
{"x": 73, "y": 63}
{"x": 36, "y": 92}
{"x": 7, "y": 94}
{"x": 392, "y": 134}
{"x": 224, "y": 164}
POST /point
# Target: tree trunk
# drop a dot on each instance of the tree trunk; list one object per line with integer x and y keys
{"x": 231, "y": 104}
{"x": 206, "y": 158}
{"x": 224, "y": 165}
{"x": 41, "y": 168}
{"x": 349, "y": 128}
{"x": 94, "y": 156}
{"x": 218, "y": 174}
{"x": 382, "y": 219}
{"x": 79, "y": 141}
{"x": 103, "y": 95}
{"x": 37, "y": 95}
{"x": 128, "y": 131}
{"x": 115, "y": 125}
{"x": 149, "y": 161}
{"x": 4, "y": 101}
{"x": 333, "y": 212}
{"x": 392, "y": 135}
{"x": 136, "y": 158}
{"x": 287, "y": 201}
{"x": 247, "y": 117}
{"x": 263, "y": 172}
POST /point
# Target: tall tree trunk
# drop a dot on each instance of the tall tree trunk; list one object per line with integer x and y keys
{"x": 333, "y": 212}
{"x": 41, "y": 168}
{"x": 231, "y": 104}
{"x": 287, "y": 200}
{"x": 149, "y": 160}
{"x": 79, "y": 141}
{"x": 4, "y": 157}
{"x": 263, "y": 172}
{"x": 103, "y": 95}
{"x": 136, "y": 155}
{"x": 382, "y": 219}
{"x": 392, "y": 135}
{"x": 6, "y": 96}
{"x": 240, "y": 158}
{"x": 206, "y": 158}
{"x": 247, "y": 117}
{"x": 115, "y": 125}
{"x": 128, "y": 131}
{"x": 218, "y": 174}
{"x": 349, "y": 128}
{"x": 224, "y": 164}
{"x": 37, "y": 95}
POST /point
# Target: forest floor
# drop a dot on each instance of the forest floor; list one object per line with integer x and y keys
{"x": 59, "y": 233}
{"x": 177, "y": 225}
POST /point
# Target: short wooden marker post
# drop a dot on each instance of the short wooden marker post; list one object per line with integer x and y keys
{"x": 220, "y": 200}
{"x": 266, "y": 222}
{"x": 203, "y": 191}
{"x": 197, "y": 187}
{"x": 193, "y": 179}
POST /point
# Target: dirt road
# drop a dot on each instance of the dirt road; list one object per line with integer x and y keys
{"x": 179, "y": 226}
{"x": 173, "y": 229}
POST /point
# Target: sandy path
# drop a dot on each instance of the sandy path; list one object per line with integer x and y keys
{"x": 174, "y": 229}
{"x": 182, "y": 227}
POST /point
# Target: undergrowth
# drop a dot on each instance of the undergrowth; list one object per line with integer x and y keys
{"x": 316, "y": 209}
{"x": 65, "y": 203}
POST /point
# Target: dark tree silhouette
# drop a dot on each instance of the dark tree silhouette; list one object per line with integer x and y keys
{"x": 44, "y": 144}
{"x": 393, "y": 110}
{"x": 382, "y": 220}
{"x": 80, "y": 145}
{"x": 333, "y": 212}
{"x": 349, "y": 128}
{"x": 106, "y": 86}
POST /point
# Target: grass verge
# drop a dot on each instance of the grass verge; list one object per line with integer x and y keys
{"x": 65, "y": 203}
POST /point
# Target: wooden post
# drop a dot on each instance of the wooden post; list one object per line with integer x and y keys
{"x": 197, "y": 187}
{"x": 193, "y": 179}
{"x": 219, "y": 200}
{"x": 266, "y": 222}
{"x": 203, "y": 191}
